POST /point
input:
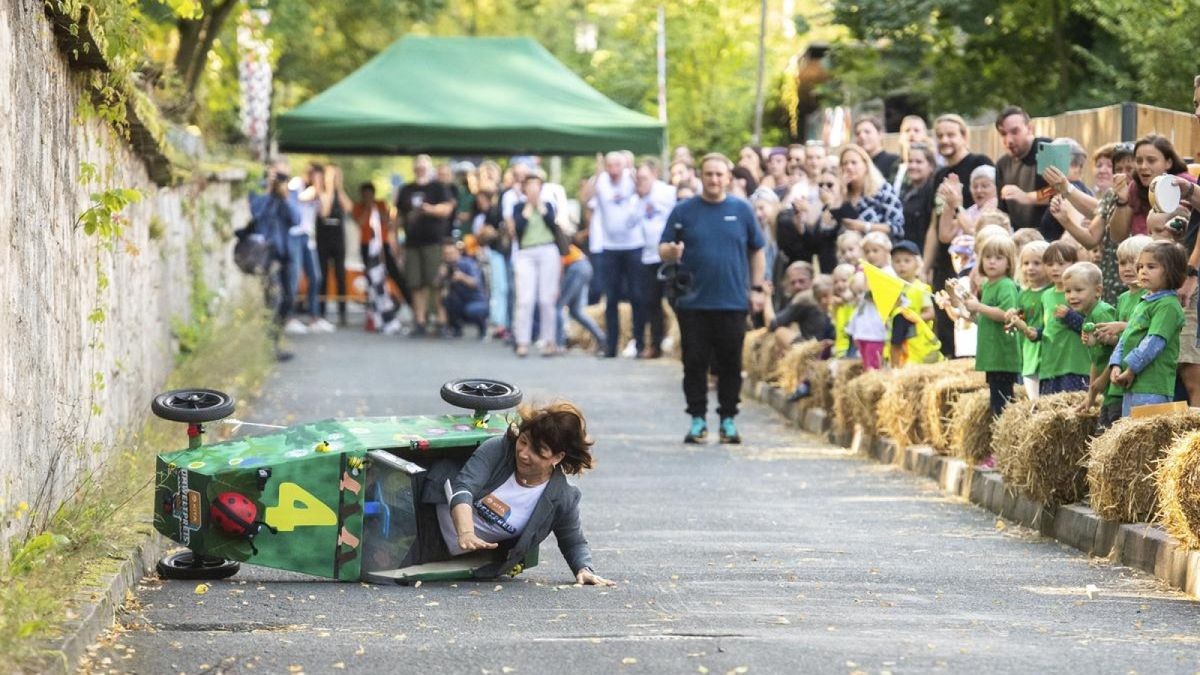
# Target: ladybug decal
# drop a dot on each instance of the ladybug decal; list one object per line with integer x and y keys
{"x": 234, "y": 514}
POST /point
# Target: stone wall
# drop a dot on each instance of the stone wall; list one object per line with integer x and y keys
{"x": 50, "y": 353}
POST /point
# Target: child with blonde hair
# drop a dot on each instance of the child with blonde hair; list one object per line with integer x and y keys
{"x": 997, "y": 354}
{"x": 844, "y": 302}
{"x": 866, "y": 326}
{"x": 1034, "y": 284}
{"x": 1109, "y": 332}
{"x": 849, "y": 247}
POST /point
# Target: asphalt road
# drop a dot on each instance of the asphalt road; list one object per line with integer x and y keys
{"x": 784, "y": 555}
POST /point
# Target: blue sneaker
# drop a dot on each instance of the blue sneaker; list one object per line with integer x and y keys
{"x": 729, "y": 432}
{"x": 698, "y": 432}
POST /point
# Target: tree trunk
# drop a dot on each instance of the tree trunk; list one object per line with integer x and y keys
{"x": 196, "y": 37}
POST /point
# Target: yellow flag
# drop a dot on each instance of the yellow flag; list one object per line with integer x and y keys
{"x": 885, "y": 288}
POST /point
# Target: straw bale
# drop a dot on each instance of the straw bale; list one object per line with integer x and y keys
{"x": 971, "y": 426}
{"x": 820, "y": 386}
{"x": 843, "y": 372}
{"x": 1121, "y": 464}
{"x": 1179, "y": 490}
{"x": 900, "y": 410}
{"x": 862, "y": 400}
{"x": 1009, "y": 431}
{"x": 797, "y": 364}
{"x": 939, "y": 400}
{"x": 1047, "y": 462}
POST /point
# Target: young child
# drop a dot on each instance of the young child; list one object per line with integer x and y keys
{"x": 849, "y": 248}
{"x": 843, "y": 303}
{"x": 998, "y": 353}
{"x": 1108, "y": 333}
{"x": 962, "y": 259}
{"x": 1083, "y": 285}
{"x": 866, "y": 326}
{"x": 1063, "y": 362}
{"x": 910, "y": 343}
{"x": 1025, "y": 235}
{"x": 1145, "y": 358}
{"x": 1034, "y": 284}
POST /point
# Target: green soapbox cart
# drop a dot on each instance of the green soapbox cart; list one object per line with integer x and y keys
{"x": 337, "y": 498}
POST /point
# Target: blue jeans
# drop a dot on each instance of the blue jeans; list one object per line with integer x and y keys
{"x": 622, "y": 271}
{"x": 500, "y": 300}
{"x": 461, "y": 308}
{"x": 1132, "y": 400}
{"x": 572, "y": 296}
{"x": 299, "y": 256}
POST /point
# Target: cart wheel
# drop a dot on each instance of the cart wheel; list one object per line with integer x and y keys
{"x": 189, "y": 565}
{"x": 481, "y": 394}
{"x": 193, "y": 406}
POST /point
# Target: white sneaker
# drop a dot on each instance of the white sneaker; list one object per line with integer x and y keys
{"x": 320, "y": 325}
{"x": 391, "y": 328}
{"x": 295, "y": 327}
{"x": 630, "y": 350}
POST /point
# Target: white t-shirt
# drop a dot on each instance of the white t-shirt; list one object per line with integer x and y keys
{"x": 617, "y": 204}
{"x": 595, "y": 229}
{"x": 509, "y": 201}
{"x": 653, "y": 210}
{"x": 500, "y": 516}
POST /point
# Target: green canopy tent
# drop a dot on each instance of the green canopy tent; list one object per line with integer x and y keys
{"x": 448, "y": 95}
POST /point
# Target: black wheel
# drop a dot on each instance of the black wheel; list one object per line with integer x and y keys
{"x": 193, "y": 406}
{"x": 481, "y": 394}
{"x": 189, "y": 565}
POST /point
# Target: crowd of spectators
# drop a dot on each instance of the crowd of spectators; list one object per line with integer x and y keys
{"x": 1048, "y": 279}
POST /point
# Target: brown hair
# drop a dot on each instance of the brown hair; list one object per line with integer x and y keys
{"x": 1061, "y": 252}
{"x": 1008, "y": 112}
{"x": 1174, "y": 260}
{"x": 561, "y": 428}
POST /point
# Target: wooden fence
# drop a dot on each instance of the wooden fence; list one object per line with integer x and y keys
{"x": 1093, "y": 128}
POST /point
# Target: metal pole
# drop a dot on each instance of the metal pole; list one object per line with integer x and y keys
{"x": 662, "y": 85}
{"x": 762, "y": 56}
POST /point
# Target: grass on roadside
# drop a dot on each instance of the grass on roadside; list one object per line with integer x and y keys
{"x": 89, "y": 536}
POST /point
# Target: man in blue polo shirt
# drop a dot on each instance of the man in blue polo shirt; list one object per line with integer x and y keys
{"x": 717, "y": 242}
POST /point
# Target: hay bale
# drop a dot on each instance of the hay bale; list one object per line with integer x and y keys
{"x": 798, "y": 364}
{"x": 1009, "y": 430}
{"x": 1122, "y": 462}
{"x": 578, "y": 337}
{"x": 757, "y": 349}
{"x": 820, "y": 386}
{"x": 1178, "y": 482}
{"x": 843, "y": 372}
{"x": 939, "y": 401}
{"x": 971, "y": 426}
{"x": 900, "y": 409}
{"x": 1047, "y": 460}
{"x": 862, "y": 399}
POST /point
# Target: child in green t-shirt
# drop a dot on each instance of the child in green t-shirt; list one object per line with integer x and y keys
{"x": 1145, "y": 358}
{"x": 1064, "y": 364}
{"x": 1108, "y": 333}
{"x": 1034, "y": 284}
{"x": 997, "y": 352}
{"x": 1083, "y": 284}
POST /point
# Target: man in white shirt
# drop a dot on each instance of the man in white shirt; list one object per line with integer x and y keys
{"x": 620, "y": 265}
{"x": 655, "y": 199}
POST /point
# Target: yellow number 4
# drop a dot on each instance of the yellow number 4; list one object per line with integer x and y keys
{"x": 298, "y": 508}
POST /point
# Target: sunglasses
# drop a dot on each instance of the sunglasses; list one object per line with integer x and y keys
{"x": 827, "y": 186}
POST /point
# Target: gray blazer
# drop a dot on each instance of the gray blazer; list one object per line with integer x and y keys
{"x": 557, "y": 510}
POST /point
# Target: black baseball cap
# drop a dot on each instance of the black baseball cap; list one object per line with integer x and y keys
{"x": 905, "y": 246}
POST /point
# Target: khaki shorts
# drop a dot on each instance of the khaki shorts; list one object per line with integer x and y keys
{"x": 1188, "y": 352}
{"x": 421, "y": 265}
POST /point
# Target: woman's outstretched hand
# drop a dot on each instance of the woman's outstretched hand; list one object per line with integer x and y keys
{"x": 586, "y": 577}
{"x": 470, "y": 542}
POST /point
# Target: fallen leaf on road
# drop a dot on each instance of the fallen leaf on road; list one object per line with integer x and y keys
{"x": 1092, "y": 591}
{"x": 629, "y": 660}
{"x": 1000, "y": 525}
{"x": 295, "y": 669}
{"x": 417, "y": 585}
{"x": 701, "y": 669}
{"x": 498, "y": 588}
{"x": 435, "y": 603}
{"x": 360, "y": 651}
{"x": 739, "y": 670}
{"x": 201, "y": 589}
{"x": 508, "y": 669}
{"x": 340, "y": 665}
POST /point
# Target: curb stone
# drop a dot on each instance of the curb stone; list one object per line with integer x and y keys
{"x": 97, "y": 607}
{"x": 1142, "y": 546}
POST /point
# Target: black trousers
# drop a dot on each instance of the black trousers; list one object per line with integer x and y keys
{"x": 1000, "y": 388}
{"x": 652, "y": 313}
{"x": 331, "y": 248}
{"x": 712, "y": 337}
